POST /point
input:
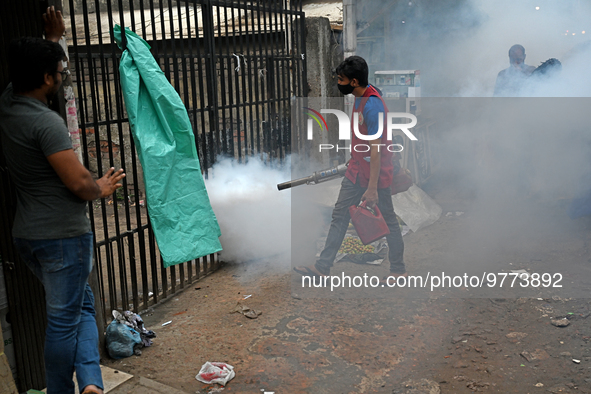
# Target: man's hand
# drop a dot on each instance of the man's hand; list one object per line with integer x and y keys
{"x": 370, "y": 197}
{"x": 110, "y": 182}
{"x": 79, "y": 180}
{"x": 54, "y": 24}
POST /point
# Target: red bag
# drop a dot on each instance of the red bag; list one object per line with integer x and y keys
{"x": 402, "y": 181}
{"x": 368, "y": 222}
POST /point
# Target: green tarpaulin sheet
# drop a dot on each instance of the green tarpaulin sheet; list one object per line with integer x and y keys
{"x": 184, "y": 223}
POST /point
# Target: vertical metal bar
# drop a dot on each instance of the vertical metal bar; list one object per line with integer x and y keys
{"x": 223, "y": 90}
{"x": 268, "y": 76}
{"x": 297, "y": 50}
{"x": 254, "y": 124}
{"x": 175, "y": 68}
{"x": 210, "y": 65}
{"x": 143, "y": 20}
{"x": 269, "y": 104}
{"x": 172, "y": 269}
{"x": 164, "y": 51}
{"x": 154, "y": 256}
{"x": 190, "y": 271}
{"x": 277, "y": 85}
{"x": 239, "y": 119}
{"x": 131, "y": 16}
{"x": 259, "y": 75}
{"x": 164, "y": 272}
{"x": 242, "y": 96}
{"x": 188, "y": 66}
{"x": 183, "y": 57}
{"x": 204, "y": 109}
{"x": 182, "y": 275}
{"x": 155, "y": 40}
{"x": 304, "y": 74}
{"x": 101, "y": 274}
{"x": 285, "y": 103}
{"x": 247, "y": 76}
{"x": 241, "y": 88}
{"x": 212, "y": 263}
{"x": 185, "y": 86}
{"x": 110, "y": 276}
{"x": 229, "y": 68}
{"x": 122, "y": 272}
{"x": 154, "y": 266}
{"x": 264, "y": 89}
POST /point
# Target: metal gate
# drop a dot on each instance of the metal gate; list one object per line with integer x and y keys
{"x": 235, "y": 64}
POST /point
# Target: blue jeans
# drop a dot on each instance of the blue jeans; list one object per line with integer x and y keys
{"x": 71, "y": 338}
{"x": 351, "y": 194}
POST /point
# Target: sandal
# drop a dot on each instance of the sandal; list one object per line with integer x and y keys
{"x": 309, "y": 271}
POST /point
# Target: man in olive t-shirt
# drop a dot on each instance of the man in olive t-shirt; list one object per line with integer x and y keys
{"x": 51, "y": 229}
{"x": 46, "y": 208}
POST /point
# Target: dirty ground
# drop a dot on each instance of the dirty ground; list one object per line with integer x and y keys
{"x": 395, "y": 345}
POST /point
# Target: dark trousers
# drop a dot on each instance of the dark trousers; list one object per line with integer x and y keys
{"x": 350, "y": 194}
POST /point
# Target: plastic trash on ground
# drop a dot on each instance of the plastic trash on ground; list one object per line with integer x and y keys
{"x": 214, "y": 372}
{"x": 416, "y": 208}
{"x": 135, "y": 321}
{"x": 121, "y": 340}
{"x": 246, "y": 311}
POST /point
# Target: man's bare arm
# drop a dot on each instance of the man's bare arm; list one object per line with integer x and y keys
{"x": 79, "y": 180}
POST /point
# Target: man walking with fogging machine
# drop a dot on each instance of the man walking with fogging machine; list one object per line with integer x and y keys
{"x": 510, "y": 80}
{"x": 368, "y": 177}
{"x": 51, "y": 229}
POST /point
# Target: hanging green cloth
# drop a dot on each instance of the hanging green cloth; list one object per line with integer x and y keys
{"x": 182, "y": 218}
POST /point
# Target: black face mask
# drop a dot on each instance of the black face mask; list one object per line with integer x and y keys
{"x": 346, "y": 89}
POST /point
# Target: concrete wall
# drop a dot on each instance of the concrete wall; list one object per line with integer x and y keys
{"x": 324, "y": 53}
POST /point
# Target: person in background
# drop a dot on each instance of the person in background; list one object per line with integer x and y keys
{"x": 510, "y": 80}
{"x": 51, "y": 228}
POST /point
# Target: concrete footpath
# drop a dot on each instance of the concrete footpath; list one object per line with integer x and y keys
{"x": 143, "y": 385}
{"x": 118, "y": 382}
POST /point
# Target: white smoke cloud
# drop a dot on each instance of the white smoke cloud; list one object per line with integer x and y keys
{"x": 460, "y": 46}
{"x": 260, "y": 223}
{"x": 254, "y": 217}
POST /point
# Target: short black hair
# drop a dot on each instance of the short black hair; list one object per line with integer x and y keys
{"x": 515, "y": 48}
{"x": 29, "y": 59}
{"x": 354, "y": 67}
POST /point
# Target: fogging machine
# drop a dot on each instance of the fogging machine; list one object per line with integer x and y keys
{"x": 316, "y": 177}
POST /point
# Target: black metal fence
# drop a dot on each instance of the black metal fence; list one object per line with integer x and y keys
{"x": 235, "y": 64}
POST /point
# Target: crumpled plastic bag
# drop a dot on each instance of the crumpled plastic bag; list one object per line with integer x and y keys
{"x": 215, "y": 372}
{"x": 135, "y": 321}
{"x": 416, "y": 208}
{"x": 121, "y": 340}
{"x": 246, "y": 311}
